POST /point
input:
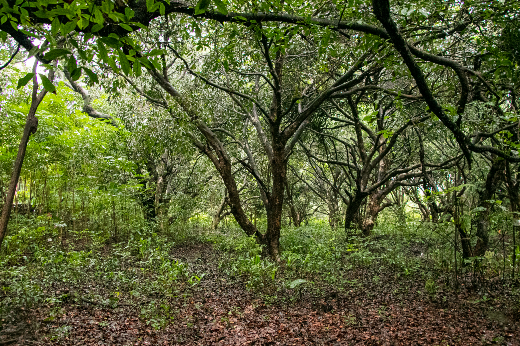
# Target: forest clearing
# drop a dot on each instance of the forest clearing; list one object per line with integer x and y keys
{"x": 223, "y": 172}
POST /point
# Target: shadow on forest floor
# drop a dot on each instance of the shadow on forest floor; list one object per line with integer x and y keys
{"x": 218, "y": 310}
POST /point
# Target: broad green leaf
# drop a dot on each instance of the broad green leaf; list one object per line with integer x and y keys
{"x": 129, "y": 13}
{"x": 72, "y": 64}
{"x": 104, "y": 56}
{"x": 111, "y": 42}
{"x": 125, "y": 65}
{"x": 201, "y": 6}
{"x": 98, "y": 16}
{"x": 126, "y": 27}
{"x": 47, "y": 84}
{"x": 296, "y": 283}
{"x": 75, "y": 74}
{"x": 97, "y": 27}
{"x": 91, "y": 75}
{"x": 155, "y": 52}
{"x": 137, "y": 68}
{"x": 221, "y": 7}
{"x": 24, "y": 80}
{"x": 55, "y": 27}
{"x": 145, "y": 62}
{"x": 149, "y": 5}
{"x": 68, "y": 27}
{"x": 56, "y": 53}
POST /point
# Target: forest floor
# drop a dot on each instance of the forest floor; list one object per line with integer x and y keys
{"x": 221, "y": 311}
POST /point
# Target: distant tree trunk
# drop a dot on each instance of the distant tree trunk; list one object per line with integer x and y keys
{"x": 332, "y": 205}
{"x": 295, "y": 216}
{"x": 491, "y": 184}
{"x": 31, "y": 125}
{"x": 465, "y": 240}
{"x": 514, "y": 198}
{"x": 146, "y": 199}
{"x": 219, "y": 215}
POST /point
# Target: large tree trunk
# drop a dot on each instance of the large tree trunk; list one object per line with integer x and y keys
{"x": 353, "y": 209}
{"x": 275, "y": 206}
{"x": 492, "y": 180}
{"x": 374, "y": 207}
{"x": 31, "y": 125}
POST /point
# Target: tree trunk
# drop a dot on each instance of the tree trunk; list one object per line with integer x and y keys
{"x": 373, "y": 208}
{"x": 514, "y": 198}
{"x": 353, "y": 209}
{"x": 295, "y": 216}
{"x": 485, "y": 195}
{"x": 218, "y": 215}
{"x": 31, "y": 125}
{"x": 275, "y": 207}
{"x": 333, "y": 213}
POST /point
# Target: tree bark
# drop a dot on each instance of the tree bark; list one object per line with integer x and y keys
{"x": 353, "y": 209}
{"x": 295, "y": 216}
{"x": 492, "y": 180}
{"x": 218, "y": 215}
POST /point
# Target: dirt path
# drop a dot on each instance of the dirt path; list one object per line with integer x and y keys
{"x": 219, "y": 311}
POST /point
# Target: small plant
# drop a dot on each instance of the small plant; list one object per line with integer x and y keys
{"x": 195, "y": 280}
{"x": 431, "y": 287}
{"x": 350, "y": 320}
{"x": 298, "y": 283}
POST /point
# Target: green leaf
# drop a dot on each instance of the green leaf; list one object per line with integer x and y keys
{"x": 97, "y": 27}
{"x": 80, "y": 51}
{"x": 98, "y": 16}
{"x": 24, "y": 80}
{"x": 129, "y": 13}
{"x": 297, "y": 283}
{"x": 126, "y": 27}
{"x": 91, "y": 75}
{"x": 68, "y": 27}
{"x": 137, "y": 68}
{"x": 149, "y": 5}
{"x": 75, "y": 74}
{"x": 111, "y": 42}
{"x": 104, "y": 56}
{"x": 56, "y": 53}
{"x": 155, "y": 52}
{"x": 145, "y": 62}
{"x": 202, "y": 6}
{"x": 47, "y": 84}
{"x": 72, "y": 64}
{"x": 221, "y": 7}
{"x": 125, "y": 65}
{"x": 55, "y": 27}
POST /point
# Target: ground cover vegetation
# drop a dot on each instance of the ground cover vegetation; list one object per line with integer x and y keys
{"x": 235, "y": 172}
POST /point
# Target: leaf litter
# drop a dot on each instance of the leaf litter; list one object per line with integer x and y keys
{"x": 220, "y": 311}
